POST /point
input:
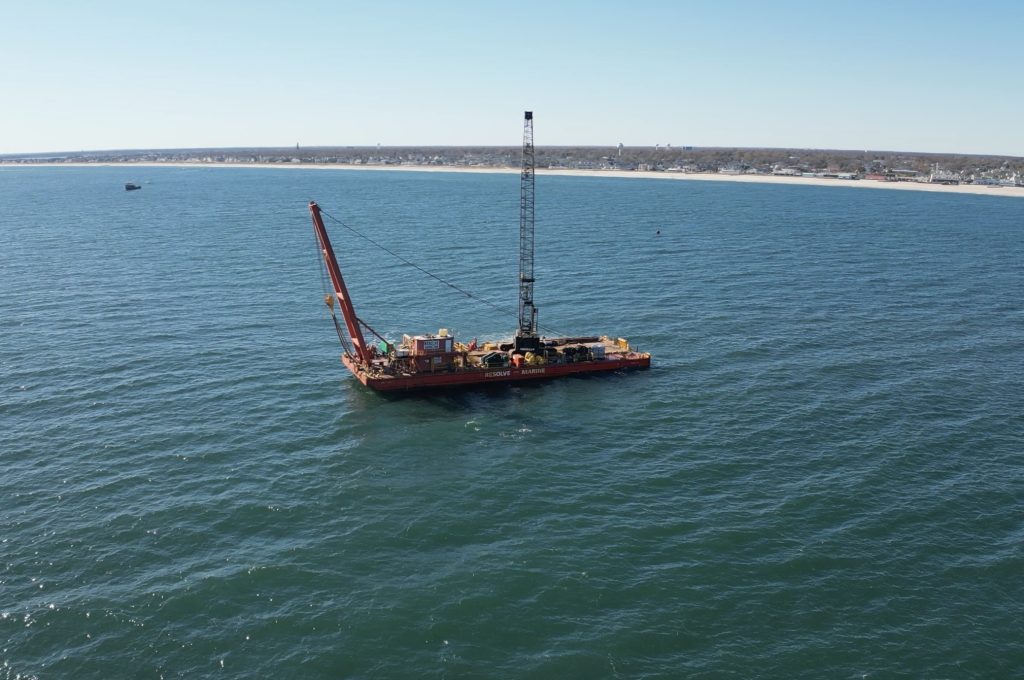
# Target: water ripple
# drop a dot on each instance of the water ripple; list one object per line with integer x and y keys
{"x": 820, "y": 476}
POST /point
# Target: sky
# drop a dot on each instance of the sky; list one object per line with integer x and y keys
{"x": 904, "y": 75}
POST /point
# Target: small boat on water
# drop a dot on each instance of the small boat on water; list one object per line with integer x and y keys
{"x": 131, "y": 186}
{"x": 428, "y": 361}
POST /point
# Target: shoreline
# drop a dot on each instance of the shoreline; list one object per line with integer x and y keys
{"x": 978, "y": 190}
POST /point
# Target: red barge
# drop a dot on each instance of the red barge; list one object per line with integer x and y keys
{"x": 436, "y": 361}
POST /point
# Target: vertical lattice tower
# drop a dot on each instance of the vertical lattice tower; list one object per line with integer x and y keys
{"x": 527, "y": 312}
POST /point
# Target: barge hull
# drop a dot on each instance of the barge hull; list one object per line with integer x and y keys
{"x": 481, "y": 376}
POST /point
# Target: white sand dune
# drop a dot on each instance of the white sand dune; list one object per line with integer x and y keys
{"x": 668, "y": 176}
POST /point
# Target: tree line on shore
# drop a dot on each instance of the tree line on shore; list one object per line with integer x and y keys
{"x": 664, "y": 158}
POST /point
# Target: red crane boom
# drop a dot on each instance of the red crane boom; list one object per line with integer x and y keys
{"x": 340, "y": 291}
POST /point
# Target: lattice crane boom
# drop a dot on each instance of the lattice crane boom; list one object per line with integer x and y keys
{"x": 527, "y": 312}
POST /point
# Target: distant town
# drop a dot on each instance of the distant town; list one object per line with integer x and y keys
{"x": 877, "y": 165}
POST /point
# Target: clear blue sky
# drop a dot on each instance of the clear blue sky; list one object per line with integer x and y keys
{"x": 917, "y": 76}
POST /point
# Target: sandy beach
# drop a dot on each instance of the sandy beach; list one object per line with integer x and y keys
{"x": 1016, "y": 192}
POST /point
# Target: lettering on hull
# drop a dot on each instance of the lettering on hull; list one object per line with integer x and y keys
{"x": 411, "y": 382}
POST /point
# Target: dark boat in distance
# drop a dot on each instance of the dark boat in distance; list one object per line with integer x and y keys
{"x": 131, "y": 186}
{"x": 435, "y": 361}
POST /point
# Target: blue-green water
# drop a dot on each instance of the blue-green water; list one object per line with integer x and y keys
{"x": 821, "y": 476}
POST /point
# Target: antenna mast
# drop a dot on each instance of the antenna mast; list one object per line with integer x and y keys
{"x": 526, "y": 335}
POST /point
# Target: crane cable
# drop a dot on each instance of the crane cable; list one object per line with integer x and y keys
{"x": 433, "y": 276}
{"x": 329, "y": 296}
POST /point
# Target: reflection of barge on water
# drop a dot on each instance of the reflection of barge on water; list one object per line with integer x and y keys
{"x": 440, "y": 361}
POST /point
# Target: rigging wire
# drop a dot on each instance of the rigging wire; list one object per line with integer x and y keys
{"x": 322, "y": 266}
{"x": 465, "y": 292}
{"x": 329, "y": 296}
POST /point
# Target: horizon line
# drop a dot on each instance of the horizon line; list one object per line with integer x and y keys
{"x": 686, "y": 147}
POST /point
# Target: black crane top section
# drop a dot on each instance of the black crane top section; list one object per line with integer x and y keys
{"x": 526, "y": 335}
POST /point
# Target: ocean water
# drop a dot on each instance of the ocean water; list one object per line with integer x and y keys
{"x": 822, "y": 476}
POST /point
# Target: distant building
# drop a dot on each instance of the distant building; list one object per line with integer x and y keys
{"x": 903, "y": 175}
